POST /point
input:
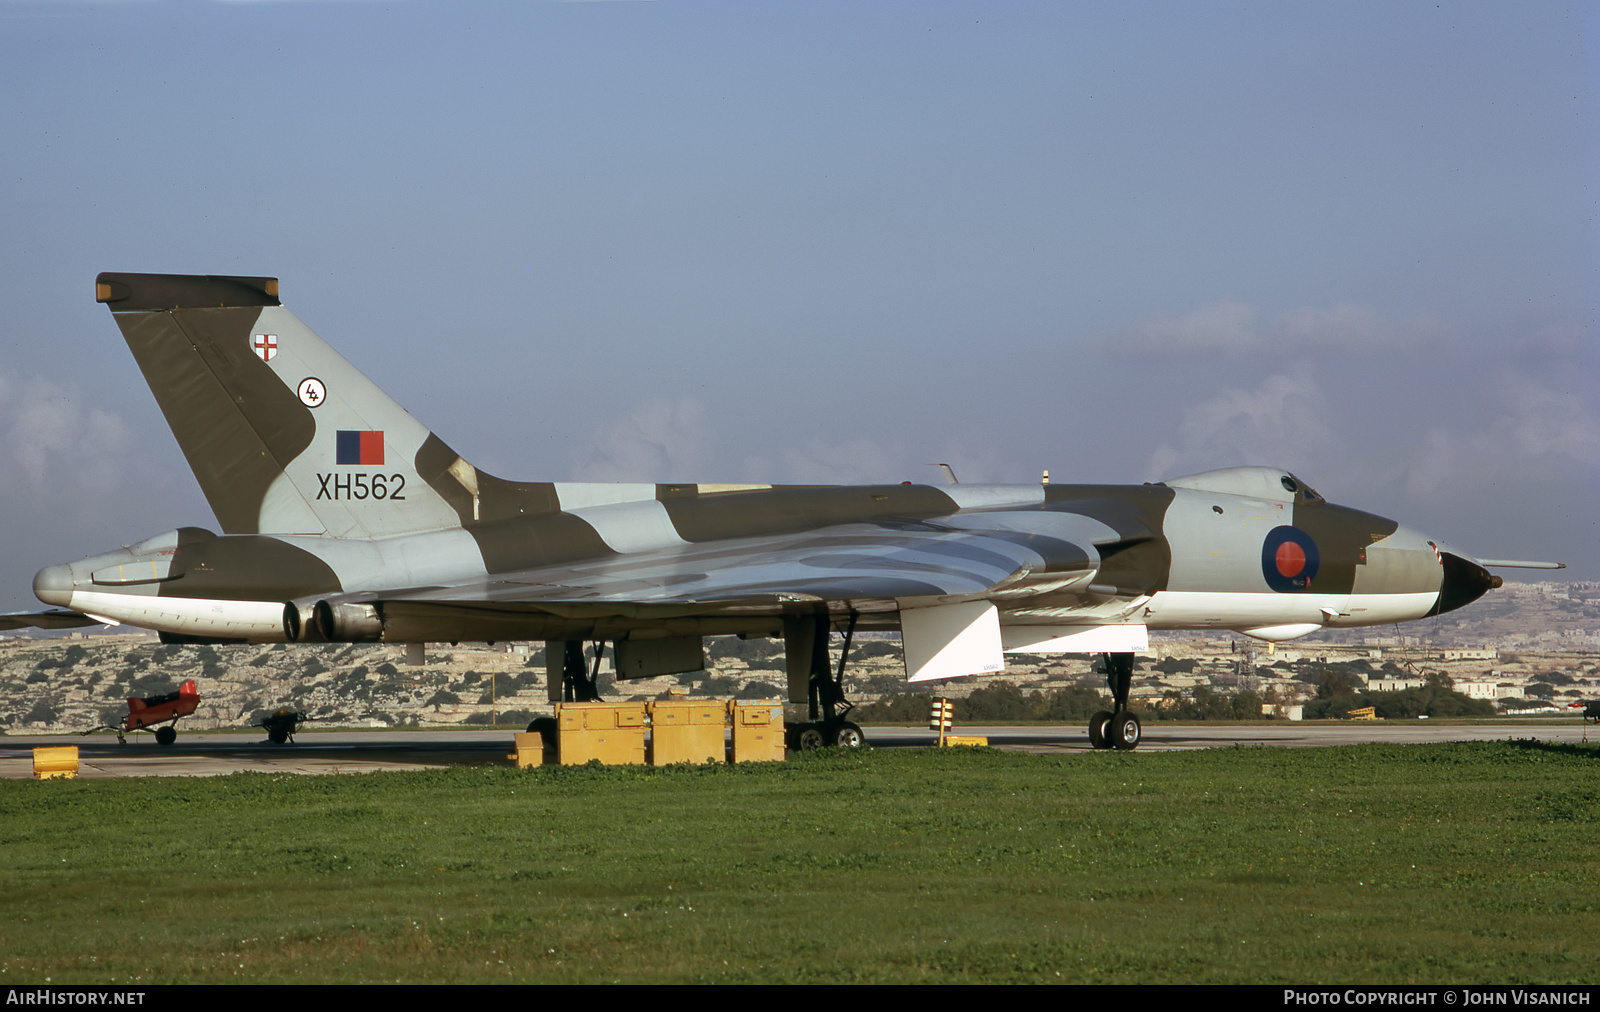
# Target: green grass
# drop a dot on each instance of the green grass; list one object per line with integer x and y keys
{"x": 1427, "y": 863}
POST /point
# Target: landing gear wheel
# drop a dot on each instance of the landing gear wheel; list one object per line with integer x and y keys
{"x": 1124, "y": 731}
{"x": 848, "y": 735}
{"x": 278, "y": 736}
{"x": 808, "y": 738}
{"x": 545, "y": 728}
{"x": 166, "y": 735}
{"x": 1099, "y": 730}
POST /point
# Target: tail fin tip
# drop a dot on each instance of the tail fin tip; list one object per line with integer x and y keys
{"x": 157, "y": 293}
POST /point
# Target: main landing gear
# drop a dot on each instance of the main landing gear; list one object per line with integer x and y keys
{"x": 579, "y": 684}
{"x": 1121, "y": 728}
{"x": 829, "y": 708}
{"x": 821, "y": 734}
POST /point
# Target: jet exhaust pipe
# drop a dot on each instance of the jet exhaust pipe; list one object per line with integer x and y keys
{"x": 300, "y": 623}
{"x": 348, "y": 623}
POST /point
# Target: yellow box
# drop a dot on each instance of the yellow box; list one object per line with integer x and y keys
{"x": 757, "y": 730}
{"x": 612, "y": 733}
{"x": 530, "y": 749}
{"x": 55, "y": 761}
{"x": 689, "y": 732}
{"x": 965, "y": 739}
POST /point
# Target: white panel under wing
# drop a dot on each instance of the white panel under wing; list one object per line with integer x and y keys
{"x": 951, "y": 641}
{"x": 1075, "y": 639}
{"x": 641, "y": 526}
{"x": 990, "y": 496}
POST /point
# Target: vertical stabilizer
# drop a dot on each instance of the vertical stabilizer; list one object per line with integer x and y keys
{"x": 283, "y": 434}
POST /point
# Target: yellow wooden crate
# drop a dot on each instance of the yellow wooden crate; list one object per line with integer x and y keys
{"x": 529, "y": 749}
{"x": 687, "y": 732}
{"x": 612, "y": 733}
{"x": 757, "y": 731}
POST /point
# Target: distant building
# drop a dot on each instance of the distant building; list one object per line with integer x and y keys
{"x": 1472, "y": 654}
{"x": 1394, "y": 684}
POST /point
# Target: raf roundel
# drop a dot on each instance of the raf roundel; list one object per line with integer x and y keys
{"x": 1289, "y": 559}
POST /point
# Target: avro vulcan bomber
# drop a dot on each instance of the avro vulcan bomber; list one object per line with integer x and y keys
{"x": 344, "y": 519}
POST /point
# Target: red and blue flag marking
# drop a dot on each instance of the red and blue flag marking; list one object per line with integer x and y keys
{"x": 360, "y": 447}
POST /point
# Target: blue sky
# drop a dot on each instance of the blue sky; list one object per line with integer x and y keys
{"x": 833, "y": 243}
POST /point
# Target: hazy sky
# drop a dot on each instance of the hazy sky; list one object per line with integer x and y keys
{"x": 833, "y": 242}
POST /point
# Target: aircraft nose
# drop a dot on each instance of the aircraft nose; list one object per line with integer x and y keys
{"x": 1464, "y": 582}
{"x": 53, "y": 585}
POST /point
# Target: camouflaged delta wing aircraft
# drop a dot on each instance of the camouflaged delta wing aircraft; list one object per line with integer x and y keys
{"x": 345, "y": 520}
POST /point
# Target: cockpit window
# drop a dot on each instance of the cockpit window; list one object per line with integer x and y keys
{"x": 1294, "y": 485}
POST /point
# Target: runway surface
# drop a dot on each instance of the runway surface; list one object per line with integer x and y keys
{"x": 201, "y": 753}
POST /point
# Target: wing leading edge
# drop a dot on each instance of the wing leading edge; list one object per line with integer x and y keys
{"x": 941, "y": 582}
{"x": 53, "y": 618}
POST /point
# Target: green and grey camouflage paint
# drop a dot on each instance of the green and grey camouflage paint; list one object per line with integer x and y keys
{"x": 344, "y": 518}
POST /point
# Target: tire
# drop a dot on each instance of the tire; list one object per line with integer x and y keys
{"x": 278, "y": 736}
{"x": 848, "y": 735}
{"x": 1124, "y": 731}
{"x": 808, "y": 738}
{"x": 166, "y": 735}
{"x": 546, "y": 728}
{"x": 1098, "y": 728}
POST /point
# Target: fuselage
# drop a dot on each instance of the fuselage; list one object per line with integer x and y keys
{"x": 1246, "y": 549}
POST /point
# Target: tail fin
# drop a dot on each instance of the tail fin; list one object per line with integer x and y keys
{"x": 283, "y": 434}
